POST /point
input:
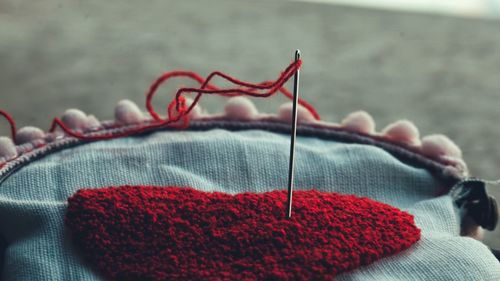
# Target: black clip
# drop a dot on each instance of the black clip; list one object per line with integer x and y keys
{"x": 471, "y": 197}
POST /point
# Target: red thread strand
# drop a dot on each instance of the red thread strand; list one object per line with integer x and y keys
{"x": 178, "y": 110}
{"x": 272, "y": 87}
{"x": 12, "y": 123}
{"x": 162, "y": 79}
{"x": 245, "y": 88}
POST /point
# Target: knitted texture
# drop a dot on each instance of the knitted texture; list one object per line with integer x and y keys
{"x": 157, "y": 233}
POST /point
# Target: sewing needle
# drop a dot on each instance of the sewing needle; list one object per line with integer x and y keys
{"x": 293, "y": 136}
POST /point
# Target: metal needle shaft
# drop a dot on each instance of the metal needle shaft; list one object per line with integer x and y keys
{"x": 293, "y": 136}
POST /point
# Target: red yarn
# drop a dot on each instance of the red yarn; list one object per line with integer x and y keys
{"x": 177, "y": 110}
{"x": 12, "y": 123}
{"x": 172, "y": 233}
{"x": 208, "y": 88}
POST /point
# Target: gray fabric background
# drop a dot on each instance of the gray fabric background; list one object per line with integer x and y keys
{"x": 439, "y": 71}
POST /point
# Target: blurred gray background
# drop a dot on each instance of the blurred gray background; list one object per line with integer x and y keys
{"x": 440, "y": 71}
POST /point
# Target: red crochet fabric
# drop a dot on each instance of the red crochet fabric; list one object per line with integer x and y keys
{"x": 172, "y": 233}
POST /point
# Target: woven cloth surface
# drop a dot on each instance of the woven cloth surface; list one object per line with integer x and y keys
{"x": 33, "y": 200}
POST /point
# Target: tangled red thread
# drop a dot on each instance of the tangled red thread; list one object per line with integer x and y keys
{"x": 178, "y": 109}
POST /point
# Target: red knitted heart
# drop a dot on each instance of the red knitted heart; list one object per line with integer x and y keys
{"x": 171, "y": 233}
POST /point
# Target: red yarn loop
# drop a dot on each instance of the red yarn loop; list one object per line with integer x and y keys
{"x": 178, "y": 110}
{"x": 12, "y": 123}
{"x": 243, "y": 88}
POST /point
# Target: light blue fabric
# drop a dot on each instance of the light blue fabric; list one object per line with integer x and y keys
{"x": 33, "y": 200}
